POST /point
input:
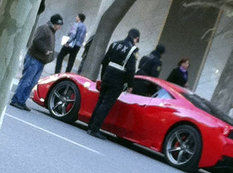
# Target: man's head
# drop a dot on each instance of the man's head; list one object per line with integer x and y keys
{"x": 134, "y": 34}
{"x": 57, "y": 21}
{"x": 160, "y": 49}
{"x": 81, "y": 17}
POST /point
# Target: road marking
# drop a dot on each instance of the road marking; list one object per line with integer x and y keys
{"x": 54, "y": 134}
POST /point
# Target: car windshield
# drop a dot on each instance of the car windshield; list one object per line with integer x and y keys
{"x": 208, "y": 107}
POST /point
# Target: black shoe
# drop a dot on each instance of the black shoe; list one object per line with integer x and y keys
{"x": 17, "y": 105}
{"x": 26, "y": 108}
{"x": 97, "y": 134}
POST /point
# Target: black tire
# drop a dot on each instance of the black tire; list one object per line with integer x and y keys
{"x": 182, "y": 148}
{"x": 64, "y": 101}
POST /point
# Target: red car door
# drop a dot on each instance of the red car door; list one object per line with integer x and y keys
{"x": 131, "y": 116}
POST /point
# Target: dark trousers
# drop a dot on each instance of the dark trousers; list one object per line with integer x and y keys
{"x": 107, "y": 98}
{"x": 64, "y": 51}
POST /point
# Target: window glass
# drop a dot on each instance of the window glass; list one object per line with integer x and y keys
{"x": 163, "y": 94}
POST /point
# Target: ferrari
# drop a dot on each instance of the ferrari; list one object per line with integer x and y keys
{"x": 187, "y": 129}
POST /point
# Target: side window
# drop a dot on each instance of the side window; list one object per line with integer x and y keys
{"x": 145, "y": 88}
{"x": 163, "y": 94}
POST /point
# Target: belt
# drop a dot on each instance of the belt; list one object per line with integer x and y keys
{"x": 117, "y": 66}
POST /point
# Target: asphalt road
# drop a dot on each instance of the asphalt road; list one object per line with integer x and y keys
{"x": 33, "y": 142}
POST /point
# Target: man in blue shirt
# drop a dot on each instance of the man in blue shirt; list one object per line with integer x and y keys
{"x": 76, "y": 37}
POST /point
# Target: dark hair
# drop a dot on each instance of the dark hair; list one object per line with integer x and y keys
{"x": 134, "y": 33}
{"x": 182, "y": 61}
{"x": 160, "y": 48}
{"x": 56, "y": 19}
{"x": 82, "y": 17}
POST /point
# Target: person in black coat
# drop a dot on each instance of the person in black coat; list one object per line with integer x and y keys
{"x": 179, "y": 75}
{"x": 118, "y": 68}
{"x": 150, "y": 65}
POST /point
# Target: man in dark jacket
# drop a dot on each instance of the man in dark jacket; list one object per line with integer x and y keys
{"x": 118, "y": 68}
{"x": 40, "y": 53}
{"x": 150, "y": 65}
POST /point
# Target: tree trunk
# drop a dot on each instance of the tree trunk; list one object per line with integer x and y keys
{"x": 223, "y": 93}
{"x": 107, "y": 25}
{"x": 16, "y": 21}
{"x": 40, "y": 10}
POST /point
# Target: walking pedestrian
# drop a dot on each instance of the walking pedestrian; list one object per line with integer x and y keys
{"x": 118, "y": 68}
{"x": 77, "y": 35}
{"x": 179, "y": 75}
{"x": 40, "y": 53}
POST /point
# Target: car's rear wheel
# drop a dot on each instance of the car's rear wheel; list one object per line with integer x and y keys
{"x": 64, "y": 101}
{"x": 182, "y": 148}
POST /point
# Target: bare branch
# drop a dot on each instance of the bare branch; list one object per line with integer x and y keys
{"x": 220, "y": 4}
{"x": 201, "y": 4}
{"x": 207, "y": 32}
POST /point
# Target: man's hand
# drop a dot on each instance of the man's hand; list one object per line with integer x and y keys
{"x": 129, "y": 90}
{"x": 49, "y": 52}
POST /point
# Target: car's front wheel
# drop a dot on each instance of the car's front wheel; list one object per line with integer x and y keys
{"x": 182, "y": 148}
{"x": 64, "y": 101}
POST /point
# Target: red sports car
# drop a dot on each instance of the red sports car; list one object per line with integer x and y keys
{"x": 187, "y": 129}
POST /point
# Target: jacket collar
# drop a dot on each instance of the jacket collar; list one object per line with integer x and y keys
{"x": 155, "y": 54}
{"x": 51, "y": 26}
{"x": 129, "y": 39}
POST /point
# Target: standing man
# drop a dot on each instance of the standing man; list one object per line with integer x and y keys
{"x": 40, "y": 53}
{"x": 77, "y": 36}
{"x": 150, "y": 65}
{"x": 118, "y": 68}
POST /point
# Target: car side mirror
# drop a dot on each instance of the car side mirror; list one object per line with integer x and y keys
{"x": 98, "y": 85}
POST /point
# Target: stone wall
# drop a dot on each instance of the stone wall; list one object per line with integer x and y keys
{"x": 219, "y": 52}
{"x": 182, "y": 36}
{"x": 149, "y": 17}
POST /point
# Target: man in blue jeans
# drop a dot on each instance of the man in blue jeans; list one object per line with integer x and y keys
{"x": 40, "y": 53}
